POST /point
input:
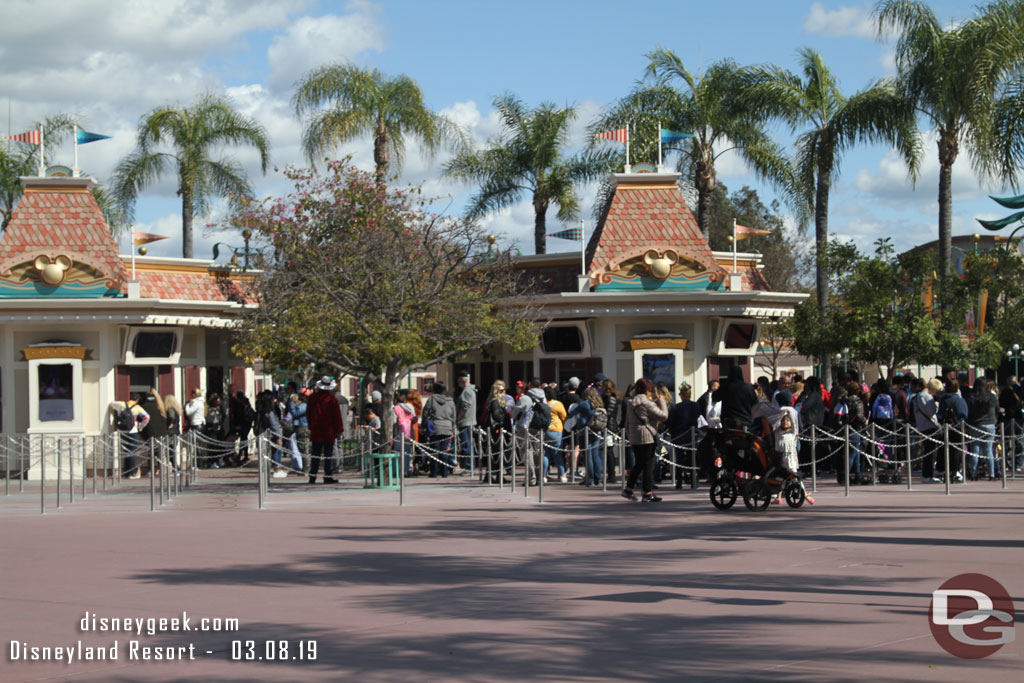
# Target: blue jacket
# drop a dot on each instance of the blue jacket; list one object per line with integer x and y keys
{"x": 298, "y": 411}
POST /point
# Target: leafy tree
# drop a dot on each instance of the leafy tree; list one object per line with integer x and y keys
{"x": 776, "y": 339}
{"x": 707, "y": 107}
{"x": 528, "y": 157}
{"x": 830, "y": 123}
{"x": 782, "y": 255}
{"x": 192, "y": 134}
{"x": 20, "y": 159}
{"x": 965, "y": 79}
{"x": 367, "y": 102}
{"x": 368, "y": 283}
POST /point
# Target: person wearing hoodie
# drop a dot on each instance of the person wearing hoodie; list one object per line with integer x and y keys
{"x": 642, "y": 418}
{"x": 439, "y": 418}
{"x": 529, "y": 443}
{"x": 465, "y": 407}
{"x": 405, "y": 418}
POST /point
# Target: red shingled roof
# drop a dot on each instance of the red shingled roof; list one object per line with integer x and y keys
{"x": 61, "y": 218}
{"x": 191, "y": 286}
{"x": 646, "y": 215}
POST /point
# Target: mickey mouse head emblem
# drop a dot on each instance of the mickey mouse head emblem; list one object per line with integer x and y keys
{"x": 660, "y": 265}
{"x": 52, "y": 272}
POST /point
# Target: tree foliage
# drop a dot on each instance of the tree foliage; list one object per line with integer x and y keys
{"x": 365, "y": 281}
{"x": 529, "y": 157}
{"x": 367, "y": 102}
{"x": 192, "y": 135}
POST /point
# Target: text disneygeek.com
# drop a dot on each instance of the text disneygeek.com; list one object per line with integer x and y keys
{"x": 139, "y": 650}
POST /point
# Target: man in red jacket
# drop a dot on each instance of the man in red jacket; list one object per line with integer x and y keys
{"x": 325, "y": 425}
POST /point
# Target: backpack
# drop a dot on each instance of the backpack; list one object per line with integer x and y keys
{"x": 125, "y": 420}
{"x": 540, "y": 420}
{"x": 599, "y": 420}
{"x": 949, "y": 413}
{"x": 404, "y": 420}
{"x": 882, "y": 410}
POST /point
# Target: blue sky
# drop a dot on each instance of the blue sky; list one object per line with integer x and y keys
{"x": 118, "y": 60}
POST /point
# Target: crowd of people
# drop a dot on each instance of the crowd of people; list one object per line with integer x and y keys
{"x": 565, "y": 428}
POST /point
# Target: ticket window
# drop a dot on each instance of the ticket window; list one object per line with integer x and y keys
{"x": 659, "y": 365}
{"x": 55, "y": 393}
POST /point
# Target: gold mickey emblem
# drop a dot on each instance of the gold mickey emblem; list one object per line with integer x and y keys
{"x": 660, "y": 264}
{"x": 52, "y": 272}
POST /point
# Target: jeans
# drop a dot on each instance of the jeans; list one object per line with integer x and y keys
{"x": 855, "y": 453}
{"x": 129, "y": 445}
{"x": 467, "y": 447}
{"x": 443, "y": 444}
{"x": 325, "y": 452}
{"x": 552, "y": 452}
{"x": 595, "y": 458}
{"x": 982, "y": 447}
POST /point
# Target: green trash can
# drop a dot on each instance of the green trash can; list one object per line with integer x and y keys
{"x": 382, "y": 471}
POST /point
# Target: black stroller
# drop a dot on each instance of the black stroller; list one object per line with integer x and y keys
{"x": 747, "y": 463}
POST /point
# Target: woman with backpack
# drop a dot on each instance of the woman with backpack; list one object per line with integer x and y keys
{"x": 267, "y": 420}
{"x": 405, "y": 418}
{"x": 642, "y": 418}
{"x": 982, "y": 410}
{"x": 856, "y": 417}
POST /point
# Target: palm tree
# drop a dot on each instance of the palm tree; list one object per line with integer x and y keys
{"x": 959, "y": 80}
{"x": 831, "y": 124}
{"x": 362, "y": 101}
{"x": 528, "y": 157}
{"x": 191, "y": 133}
{"x": 708, "y": 109}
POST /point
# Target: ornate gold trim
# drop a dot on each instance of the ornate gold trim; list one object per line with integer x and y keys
{"x": 35, "y": 352}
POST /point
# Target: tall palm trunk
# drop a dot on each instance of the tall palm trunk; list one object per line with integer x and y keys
{"x": 540, "y": 237}
{"x": 947, "y": 155}
{"x": 705, "y": 182}
{"x": 186, "y": 219}
{"x": 820, "y": 249}
{"x": 381, "y": 157}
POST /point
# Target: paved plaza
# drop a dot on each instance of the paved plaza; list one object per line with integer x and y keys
{"x": 475, "y": 583}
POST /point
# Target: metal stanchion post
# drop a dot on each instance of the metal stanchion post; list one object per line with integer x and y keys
{"x": 60, "y": 468}
{"x": 874, "y": 449}
{"x": 846, "y": 458}
{"x": 543, "y": 470}
{"x": 7, "y": 465}
{"x": 152, "y": 480}
{"x": 501, "y": 456}
{"x": 259, "y": 479}
{"x": 512, "y": 456}
{"x": 71, "y": 470}
{"x": 490, "y": 457}
{"x": 572, "y": 451}
{"x": 963, "y": 449}
{"x": 154, "y": 462}
{"x": 527, "y": 463}
{"x": 694, "y": 474}
{"x": 42, "y": 471}
{"x": 604, "y": 458}
{"x": 106, "y": 459}
{"x": 814, "y": 458}
{"x": 1013, "y": 449}
{"x": 945, "y": 451}
{"x": 906, "y": 433}
{"x": 401, "y": 470}
{"x": 120, "y": 462}
{"x": 85, "y": 478}
{"x": 1002, "y": 452}
{"x": 621, "y": 445}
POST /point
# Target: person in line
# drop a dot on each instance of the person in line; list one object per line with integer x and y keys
{"x": 682, "y": 430}
{"x": 299, "y": 439}
{"x": 439, "y": 417}
{"x": 156, "y": 428}
{"x": 924, "y": 413}
{"x": 325, "y": 426}
{"x": 267, "y": 421}
{"x": 610, "y": 396}
{"x": 553, "y": 454}
{"x": 495, "y": 420}
{"x": 642, "y": 418}
{"x": 738, "y": 400}
{"x": 243, "y": 415}
{"x": 195, "y": 420}
{"x": 465, "y": 411}
{"x": 953, "y": 411}
{"x": 405, "y": 418}
{"x": 982, "y": 410}
{"x": 130, "y": 427}
{"x": 174, "y": 413}
{"x": 706, "y": 402}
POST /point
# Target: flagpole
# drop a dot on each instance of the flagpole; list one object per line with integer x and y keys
{"x": 42, "y": 151}
{"x": 75, "y": 172}
{"x": 583, "y": 251}
{"x": 734, "y": 246}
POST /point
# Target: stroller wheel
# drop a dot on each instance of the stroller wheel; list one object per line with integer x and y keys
{"x": 756, "y": 496}
{"x": 723, "y": 493}
{"x": 794, "y": 494}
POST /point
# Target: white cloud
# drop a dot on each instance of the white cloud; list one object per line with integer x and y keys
{"x": 845, "y": 21}
{"x": 310, "y": 42}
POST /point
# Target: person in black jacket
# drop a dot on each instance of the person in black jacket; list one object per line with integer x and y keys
{"x": 157, "y": 426}
{"x": 610, "y": 396}
{"x": 982, "y": 411}
{"x": 242, "y": 417}
{"x": 812, "y": 412}
{"x": 738, "y": 400}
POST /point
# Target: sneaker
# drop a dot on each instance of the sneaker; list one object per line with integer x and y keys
{"x": 810, "y": 501}
{"x": 312, "y": 480}
{"x": 135, "y": 475}
{"x": 279, "y": 474}
{"x": 776, "y": 501}
{"x": 564, "y": 479}
{"x": 936, "y": 480}
{"x": 629, "y": 495}
{"x": 330, "y": 480}
{"x": 679, "y": 485}
{"x": 958, "y": 477}
{"x": 650, "y": 498}
{"x": 214, "y": 466}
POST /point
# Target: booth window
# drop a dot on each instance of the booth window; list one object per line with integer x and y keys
{"x": 565, "y": 339}
{"x": 56, "y": 393}
{"x": 155, "y": 344}
{"x": 739, "y": 336}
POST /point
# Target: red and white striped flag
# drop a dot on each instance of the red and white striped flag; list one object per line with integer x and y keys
{"x": 620, "y": 135}
{"x": 33, "y": 137}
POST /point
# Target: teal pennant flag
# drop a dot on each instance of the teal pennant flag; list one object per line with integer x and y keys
{"x": 671, "y": 135}
{"x": 570, "y": 234}
{"x": 82, "y": 137}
